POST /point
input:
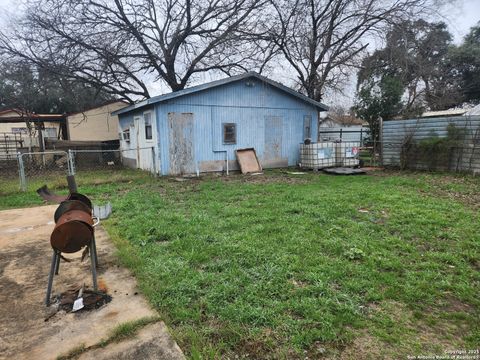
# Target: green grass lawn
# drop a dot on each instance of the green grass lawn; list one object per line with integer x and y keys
{"x": 294, "y": 266}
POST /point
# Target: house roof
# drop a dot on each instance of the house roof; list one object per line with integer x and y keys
{"x": 210, "y": 85}
{"x": 18, "y": 116}
{"x": 106, "y": 103}
{"x": 473, "y": 111}
{"x": 344, "y": 120}
{"x": 449, "y": 112}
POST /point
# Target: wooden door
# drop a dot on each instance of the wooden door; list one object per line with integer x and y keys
{"x": 181, "y": 143}
{"x": 273, "y": 138}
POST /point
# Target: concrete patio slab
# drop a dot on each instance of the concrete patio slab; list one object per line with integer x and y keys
{"x": 25, "y": 256}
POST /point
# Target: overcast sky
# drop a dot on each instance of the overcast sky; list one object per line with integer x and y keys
{"x": 459, "y": 18}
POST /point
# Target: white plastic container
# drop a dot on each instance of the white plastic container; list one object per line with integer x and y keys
{"x": 347, "y": 153}
{"x": 317, "y": 155}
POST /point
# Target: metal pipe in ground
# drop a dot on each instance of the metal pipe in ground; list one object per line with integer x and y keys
{"x": 21, "y": 172}
{"x": 72, "y": 184}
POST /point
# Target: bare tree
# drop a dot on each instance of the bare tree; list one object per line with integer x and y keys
{"x": 119, "y": 45}
{"x": 343, "y": 116}
{"x": 323, "y": 39}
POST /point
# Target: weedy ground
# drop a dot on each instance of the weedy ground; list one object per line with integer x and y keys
{"x": 293, "y": 266}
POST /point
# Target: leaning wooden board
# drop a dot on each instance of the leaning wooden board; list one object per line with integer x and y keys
{"x": 248, "y": 160}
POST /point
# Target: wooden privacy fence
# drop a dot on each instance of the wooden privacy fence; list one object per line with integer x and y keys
{"x": 445, "y": 144}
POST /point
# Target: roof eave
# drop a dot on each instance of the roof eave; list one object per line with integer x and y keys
{"x": 156, "y": 99}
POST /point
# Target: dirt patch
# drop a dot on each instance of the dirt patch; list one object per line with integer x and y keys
{"x": 192, "y": 184}
{"x": 452, "y": 304}
{"x": 365, "y": 346}
{"x": 461, "y": 188}
{"x": 298, "y": 284}
{"x": 416, "y": 337}
{"x": 269, "y": 178}
{"x": 442, "y": 187}
{"x": 431, "y": 337}
{"x": 25, "y": 256}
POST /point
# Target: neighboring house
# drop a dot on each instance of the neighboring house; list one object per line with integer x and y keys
{"x": 91, "y": 129}
{"x": 95, "y": 124}
{"x": 22, "y": 131}
{"x": 467, "y": 110}
{"x": 475, "y": 111}
{"x": 342, "y": 127}
{"x": 444, "y": 113}
{"x": 328, "y": 123}
{"x": 341, "y": 121}
{"x": 15, "y": 121}
{"x": 198, "y": 129}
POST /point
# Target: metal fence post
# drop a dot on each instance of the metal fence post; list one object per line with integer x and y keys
{"x": 21, "y": 172}
{"x": 380, "y": 138}
{"x": 71, "y": 163}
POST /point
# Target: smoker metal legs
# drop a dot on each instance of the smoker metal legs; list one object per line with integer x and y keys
{"x": 95, "y": 250}
{"x": 55, "y": 265}
{"x": 53, "y": 268}
{"x": 93, "y": 261}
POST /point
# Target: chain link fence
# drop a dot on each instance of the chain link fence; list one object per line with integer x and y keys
{"x": 41, "y": 164}
{"x": 96, "y": 159}
{"x": 139, "y": 158}
{"x": 369, "y": 150}
{"x": 36, "y": 167}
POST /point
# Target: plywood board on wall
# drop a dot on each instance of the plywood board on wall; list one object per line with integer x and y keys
{"x": 248, "y": 161}
{"x": 273, "y": 138}
{"x": 181, "y": 143}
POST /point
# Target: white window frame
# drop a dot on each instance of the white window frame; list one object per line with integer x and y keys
{"x": 151, "y": 125}
{"x": 124, "y": 132}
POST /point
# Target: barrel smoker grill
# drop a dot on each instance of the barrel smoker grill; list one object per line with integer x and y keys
{"x": 74, "y": 230}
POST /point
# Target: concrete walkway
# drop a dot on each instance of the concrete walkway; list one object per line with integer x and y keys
{"x": 25, "y": 256}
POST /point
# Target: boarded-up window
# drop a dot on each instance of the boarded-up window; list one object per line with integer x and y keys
{"x": 147, "y": 117}
{"x": 229, "y": 133}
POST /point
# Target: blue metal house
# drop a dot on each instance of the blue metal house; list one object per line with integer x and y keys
{"x": 198, "y": 129}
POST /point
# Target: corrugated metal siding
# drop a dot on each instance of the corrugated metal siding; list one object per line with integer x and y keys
{"x": 248, "y": 93}
{"x": 248, "y": 107}
{"x": 395, "y": 132}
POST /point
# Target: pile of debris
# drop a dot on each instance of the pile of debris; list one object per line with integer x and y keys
{"x": 91, "y": 299}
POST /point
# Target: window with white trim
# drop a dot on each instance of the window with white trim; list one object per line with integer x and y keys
{"x": 126, "y": 135}
{"x": 147, "y": 118}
